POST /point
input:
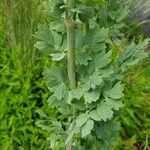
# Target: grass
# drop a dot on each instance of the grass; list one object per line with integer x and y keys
{"x": 21, "y": 19}
{"x": 20, "y": 96}
{"x": 135, "y": 116}
{"x": 22, "y": 87}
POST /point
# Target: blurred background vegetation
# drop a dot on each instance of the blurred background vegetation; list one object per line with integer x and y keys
{"x": 23, "y": 90}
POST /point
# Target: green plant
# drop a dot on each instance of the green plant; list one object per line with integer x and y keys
{"x": 21, "y": 18}
{"x": 86, "y": 81}
{"x": 135, "y": 116}
{"x": 22, "y": 90}
{"x": 21, "y": 95}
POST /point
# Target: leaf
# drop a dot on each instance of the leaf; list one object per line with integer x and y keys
{"x": 58, "y": 26}
{"x": 42, "y": 46}
{"x": 91, "y": 96}
{"x": 107, "y": 86}
{"x": 77, "y": 93}
{"x": 102, "y": 60}
{"x": 53, "y": 102}
{"x": 132, "y": 54}
{"x": 86, "y": 85}
{"x": 95, "y": 38}
{"x": 83, "y": 58}
{"x": 41, "y": 113}
{"x": 104, "y": 111}
{"x": 44, "y": 34}
{"x": 143, "y": 44}
{"x": 55, "y": 77}
{"x": 116, "y": 91}
{"x": 80, "y": 105}
{"x": 106, "y": 72}
{"x": 45, "y": 37}
{"x": 70, "y": 133}
{"x": 115, "y": 104}
{"x": 108, "y": 133}
{"x": 123, "y": 14}
{"x": 44, "y": 126}
{"x": 58, "y": 56}
{"x": 54, "y": 8}
{"x": 85, "y": 13}
{"x": 50, "y": 125}
{"x": 94, "y": 115}
{"x": 80, "y": 40}
{"x": 95, "y": 79}
{"x": 58, "y": 5}
{"x": 86, "y": 129}
{"x": 81, "y": 119}
{"x": 58, "y": 37}
{"x": 60, "y": 92}
{"x": 103, "y": 35}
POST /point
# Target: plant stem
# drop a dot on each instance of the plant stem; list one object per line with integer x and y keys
{"x": 71, "y": 53}
{"x": 70, "y": 25}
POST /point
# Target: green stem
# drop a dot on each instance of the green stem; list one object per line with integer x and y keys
{"x": 70, "y": 25}
{"x": 71, "y": 52}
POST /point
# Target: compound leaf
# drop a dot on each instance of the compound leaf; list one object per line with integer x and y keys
{"x": 58, "y": 56}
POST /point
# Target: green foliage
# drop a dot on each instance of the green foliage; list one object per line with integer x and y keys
{"x": 22, "y": 93}
{"x": 135, "y": 116}
{"x": 20, "y": 96}
{"x": 133, "y": 54}
{"x": 107, "y": 132}
{"x": 22, "y": 89}
{"x": 91, "y": 107}
{"x": 86, "y": 129}
{"x": 92, "y": 2}
{"x": 47, "y": 40}
{"x": 20, "y": 21}
{"x": 116, "y": 91}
